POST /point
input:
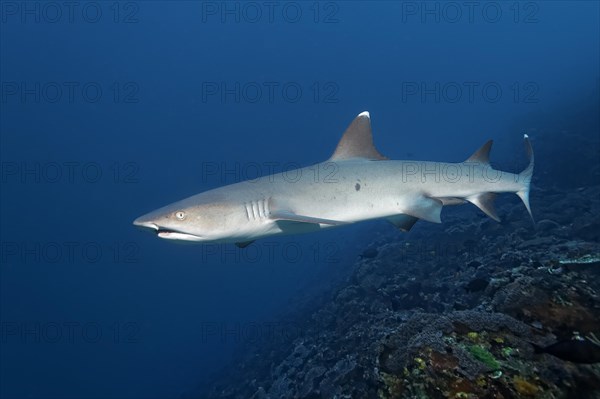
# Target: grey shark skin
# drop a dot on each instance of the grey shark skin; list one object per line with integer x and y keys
{"x": 357, "y": 183}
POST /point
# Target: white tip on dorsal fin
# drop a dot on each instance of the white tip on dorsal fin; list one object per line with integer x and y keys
{"x": 482, "y": 155}
{"x": 357, "y": 141}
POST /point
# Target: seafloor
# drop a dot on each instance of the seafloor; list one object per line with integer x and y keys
{"x": 451, "y": 310}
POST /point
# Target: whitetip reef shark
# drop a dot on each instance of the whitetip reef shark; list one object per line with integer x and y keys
{"x": 357, "y": 183}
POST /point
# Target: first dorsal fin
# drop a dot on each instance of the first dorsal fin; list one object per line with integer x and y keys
{"x": 482, "y": 155}
{"x": 357, "y": 141}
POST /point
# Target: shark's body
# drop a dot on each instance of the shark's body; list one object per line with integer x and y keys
{"x": 355, "y": 184}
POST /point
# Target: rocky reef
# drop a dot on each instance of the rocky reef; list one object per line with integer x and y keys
{"x": 447, "y": 311}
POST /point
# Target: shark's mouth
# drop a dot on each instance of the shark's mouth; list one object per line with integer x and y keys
{"x": 176, "y": 235}
{"x": 168, "y": 234}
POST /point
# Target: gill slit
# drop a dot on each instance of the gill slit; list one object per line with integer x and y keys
{"x": 257, "y": 210}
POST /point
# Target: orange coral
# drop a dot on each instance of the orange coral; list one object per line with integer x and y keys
{"x": 524, "y": 387}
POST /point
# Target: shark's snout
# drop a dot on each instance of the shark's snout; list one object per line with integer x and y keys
{"x": 152, "y": 221}
{"x": 145, "y": 222}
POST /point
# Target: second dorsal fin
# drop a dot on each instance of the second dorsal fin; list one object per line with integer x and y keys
{"x": 482, "y": 155}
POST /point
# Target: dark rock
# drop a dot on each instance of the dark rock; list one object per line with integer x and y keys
{"x": 590, "y": 232}
{"x": 547, "y": 225}
{"x": 536, "y": 242}
{"x": 477, "y": 284}
{"x": 369, "y": 253}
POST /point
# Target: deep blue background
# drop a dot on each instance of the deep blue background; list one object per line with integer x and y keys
{"x": 157, "y": 148}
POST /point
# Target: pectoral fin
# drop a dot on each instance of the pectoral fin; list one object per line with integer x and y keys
{"x": 243, "y": 244}
{"x": 426, "y": 208}
{"x": 451, "y": 200}
{"x": 292, "y": 217}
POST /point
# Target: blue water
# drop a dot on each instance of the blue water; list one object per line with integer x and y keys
{"x": 112, "y": 109}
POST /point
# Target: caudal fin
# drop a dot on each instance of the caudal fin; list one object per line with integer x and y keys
{"x": 525, "y": 177}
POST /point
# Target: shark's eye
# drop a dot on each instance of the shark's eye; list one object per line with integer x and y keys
{"x": 180, "y": 215}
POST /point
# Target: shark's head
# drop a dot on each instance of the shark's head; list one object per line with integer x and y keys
{"x": 193, "y": 219}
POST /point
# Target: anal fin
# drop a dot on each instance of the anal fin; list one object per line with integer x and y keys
{"x": 485, "y": 202}
{"x": 403, "y": 222}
